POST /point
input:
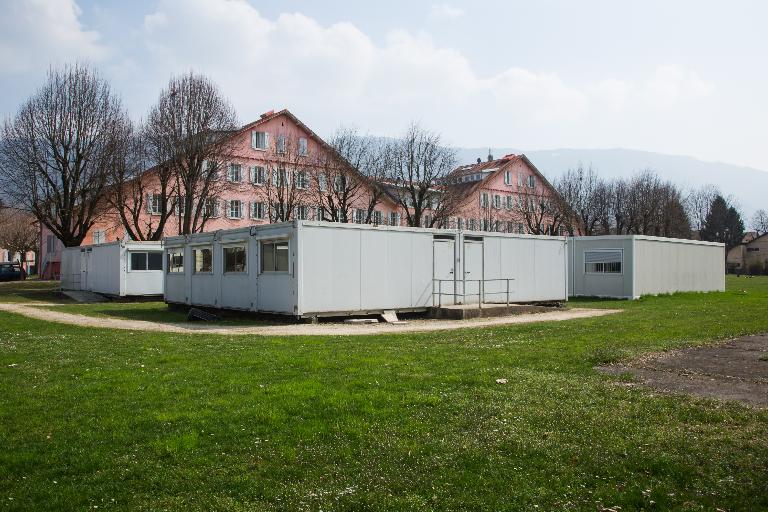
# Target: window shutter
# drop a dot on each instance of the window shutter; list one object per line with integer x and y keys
{"x": 254, "y": 142}
{"x": 149, "y": 203}
{"x": 266, "y": 140}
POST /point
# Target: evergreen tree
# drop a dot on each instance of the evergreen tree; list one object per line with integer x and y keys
{"x": 723, "y": 224}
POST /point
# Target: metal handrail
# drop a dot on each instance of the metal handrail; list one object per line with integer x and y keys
{"x": 480, "y": 293}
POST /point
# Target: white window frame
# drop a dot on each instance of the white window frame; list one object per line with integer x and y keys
{"x": 235, "y": 173}
{"x": 274, "y": 244}
{"x": 257, "y": 210}
{"x": 230, "y": 205}
{"x": 281, "y": 145}
{"x": 301, "y": 179}
{"x": 303, "y": 147}
{"x": 256, "y": 137}
{"x": 146, "y": 261}
{"x": 258, "y": 174}
{"x": 484, "y": 202}
{"x": 594, "y": 273}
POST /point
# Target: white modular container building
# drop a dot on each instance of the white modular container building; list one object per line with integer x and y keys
{"x": 120, "y": 269}
{"x": 630, "y": 266}
{"x": 307, "y": 268}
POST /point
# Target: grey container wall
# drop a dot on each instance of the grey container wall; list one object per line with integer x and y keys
{"x": 106, "y": 269}
{"x": 340, "y": 269}
{"x": 650, "y": 266}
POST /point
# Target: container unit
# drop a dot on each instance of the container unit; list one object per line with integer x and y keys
{"x": 121, "y": 268}
{"x": 308, "y": 269}
{"x": 630, "y": 266}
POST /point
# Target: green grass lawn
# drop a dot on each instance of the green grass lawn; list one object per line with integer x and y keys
{"x": 131, "y": 420}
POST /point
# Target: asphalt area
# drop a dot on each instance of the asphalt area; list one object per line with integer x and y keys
{"x": 733, "y": 370}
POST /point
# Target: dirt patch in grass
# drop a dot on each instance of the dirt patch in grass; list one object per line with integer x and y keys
{"x": 38, "y": 311}
{"x": 734, "y": 370}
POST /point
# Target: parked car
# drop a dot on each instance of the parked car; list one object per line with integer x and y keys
{"x": 12, "y": 272}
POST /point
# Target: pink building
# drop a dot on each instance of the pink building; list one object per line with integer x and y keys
{"x": 502, "y": 195}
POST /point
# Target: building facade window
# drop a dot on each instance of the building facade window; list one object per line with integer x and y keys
{"x": 99, "y": 237}
{"x": 302, "y": 146}
{"x": 302, "y": 182}
{"x": 258, "y": 210}
{"x": 281, "y": 144}
{"x": 394, "y": 219}
{"x": 378, "y": 217}
{"x": 235, "y": 209}
{"x": 259, "y": 140}
{"x": 154, "y": 204}
{"x": 258, "y": 174}
{"x": 235, "y": 173}
{"x": 531, "y": 181}
{"x": 301, "y": 212}
{"x": 484, "y": 200}
{"x": 359, "y": 216}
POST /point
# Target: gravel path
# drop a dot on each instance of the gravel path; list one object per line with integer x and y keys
{"x": 330, "y": 329}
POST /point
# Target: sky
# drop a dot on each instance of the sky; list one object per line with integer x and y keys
{"x": 684, "y": 77}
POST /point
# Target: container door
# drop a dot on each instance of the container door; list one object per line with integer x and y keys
{"x": 83, "y": 270}
{"x": 443, "y": 271}
{"x": 473, "y": 269}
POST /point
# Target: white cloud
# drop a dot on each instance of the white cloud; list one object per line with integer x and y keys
{"x": 38, "y": 33}
{"x": 333, "y": 74}
{"x": 672, "y": 84}
{"x": 446, "y": 11}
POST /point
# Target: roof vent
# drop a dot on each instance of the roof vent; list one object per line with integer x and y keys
{"x": 267, "y": 113}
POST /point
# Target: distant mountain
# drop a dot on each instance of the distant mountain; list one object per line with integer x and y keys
{"x": 748, "y": 186}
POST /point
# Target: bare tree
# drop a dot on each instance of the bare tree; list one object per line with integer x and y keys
{"x": 350, "y": 173}
{"x": 759, "y": 222}
{"x": 697, "y": 204}
{"x": 189, "y": 130}
{"x": 143, "y": 197}
{"x": 418, "y": 167}
{"x": 542, "y": 212}
{"x": 18, "y": 232}
{"x": 58, "y": 150}
{"x": 582, "y": 200}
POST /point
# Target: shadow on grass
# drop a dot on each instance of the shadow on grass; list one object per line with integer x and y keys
{"x": 32, "y": 290}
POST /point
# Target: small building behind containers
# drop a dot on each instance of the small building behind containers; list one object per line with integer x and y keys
{"x": 630, "y": 266}
{"x": 308, "y": 269}
{"x": 119, "y": 269}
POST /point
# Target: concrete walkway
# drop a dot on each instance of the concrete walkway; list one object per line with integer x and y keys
{"x": 39, "y": 312}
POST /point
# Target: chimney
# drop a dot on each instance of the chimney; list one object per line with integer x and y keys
{"x": 267, "y": 113}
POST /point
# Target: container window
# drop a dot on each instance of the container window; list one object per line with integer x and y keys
{"x": 155, "y": 260}
{"x": 203, "y": 260}
{"x": 274, "y": 256}
{"x": 138, "y": 261}
{"x": 175, "y": 261}
{"x": 603, "y": 262}
{"x": 234, "y": 259}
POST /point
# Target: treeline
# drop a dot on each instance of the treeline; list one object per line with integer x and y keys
{"x": 645, "y": 204}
